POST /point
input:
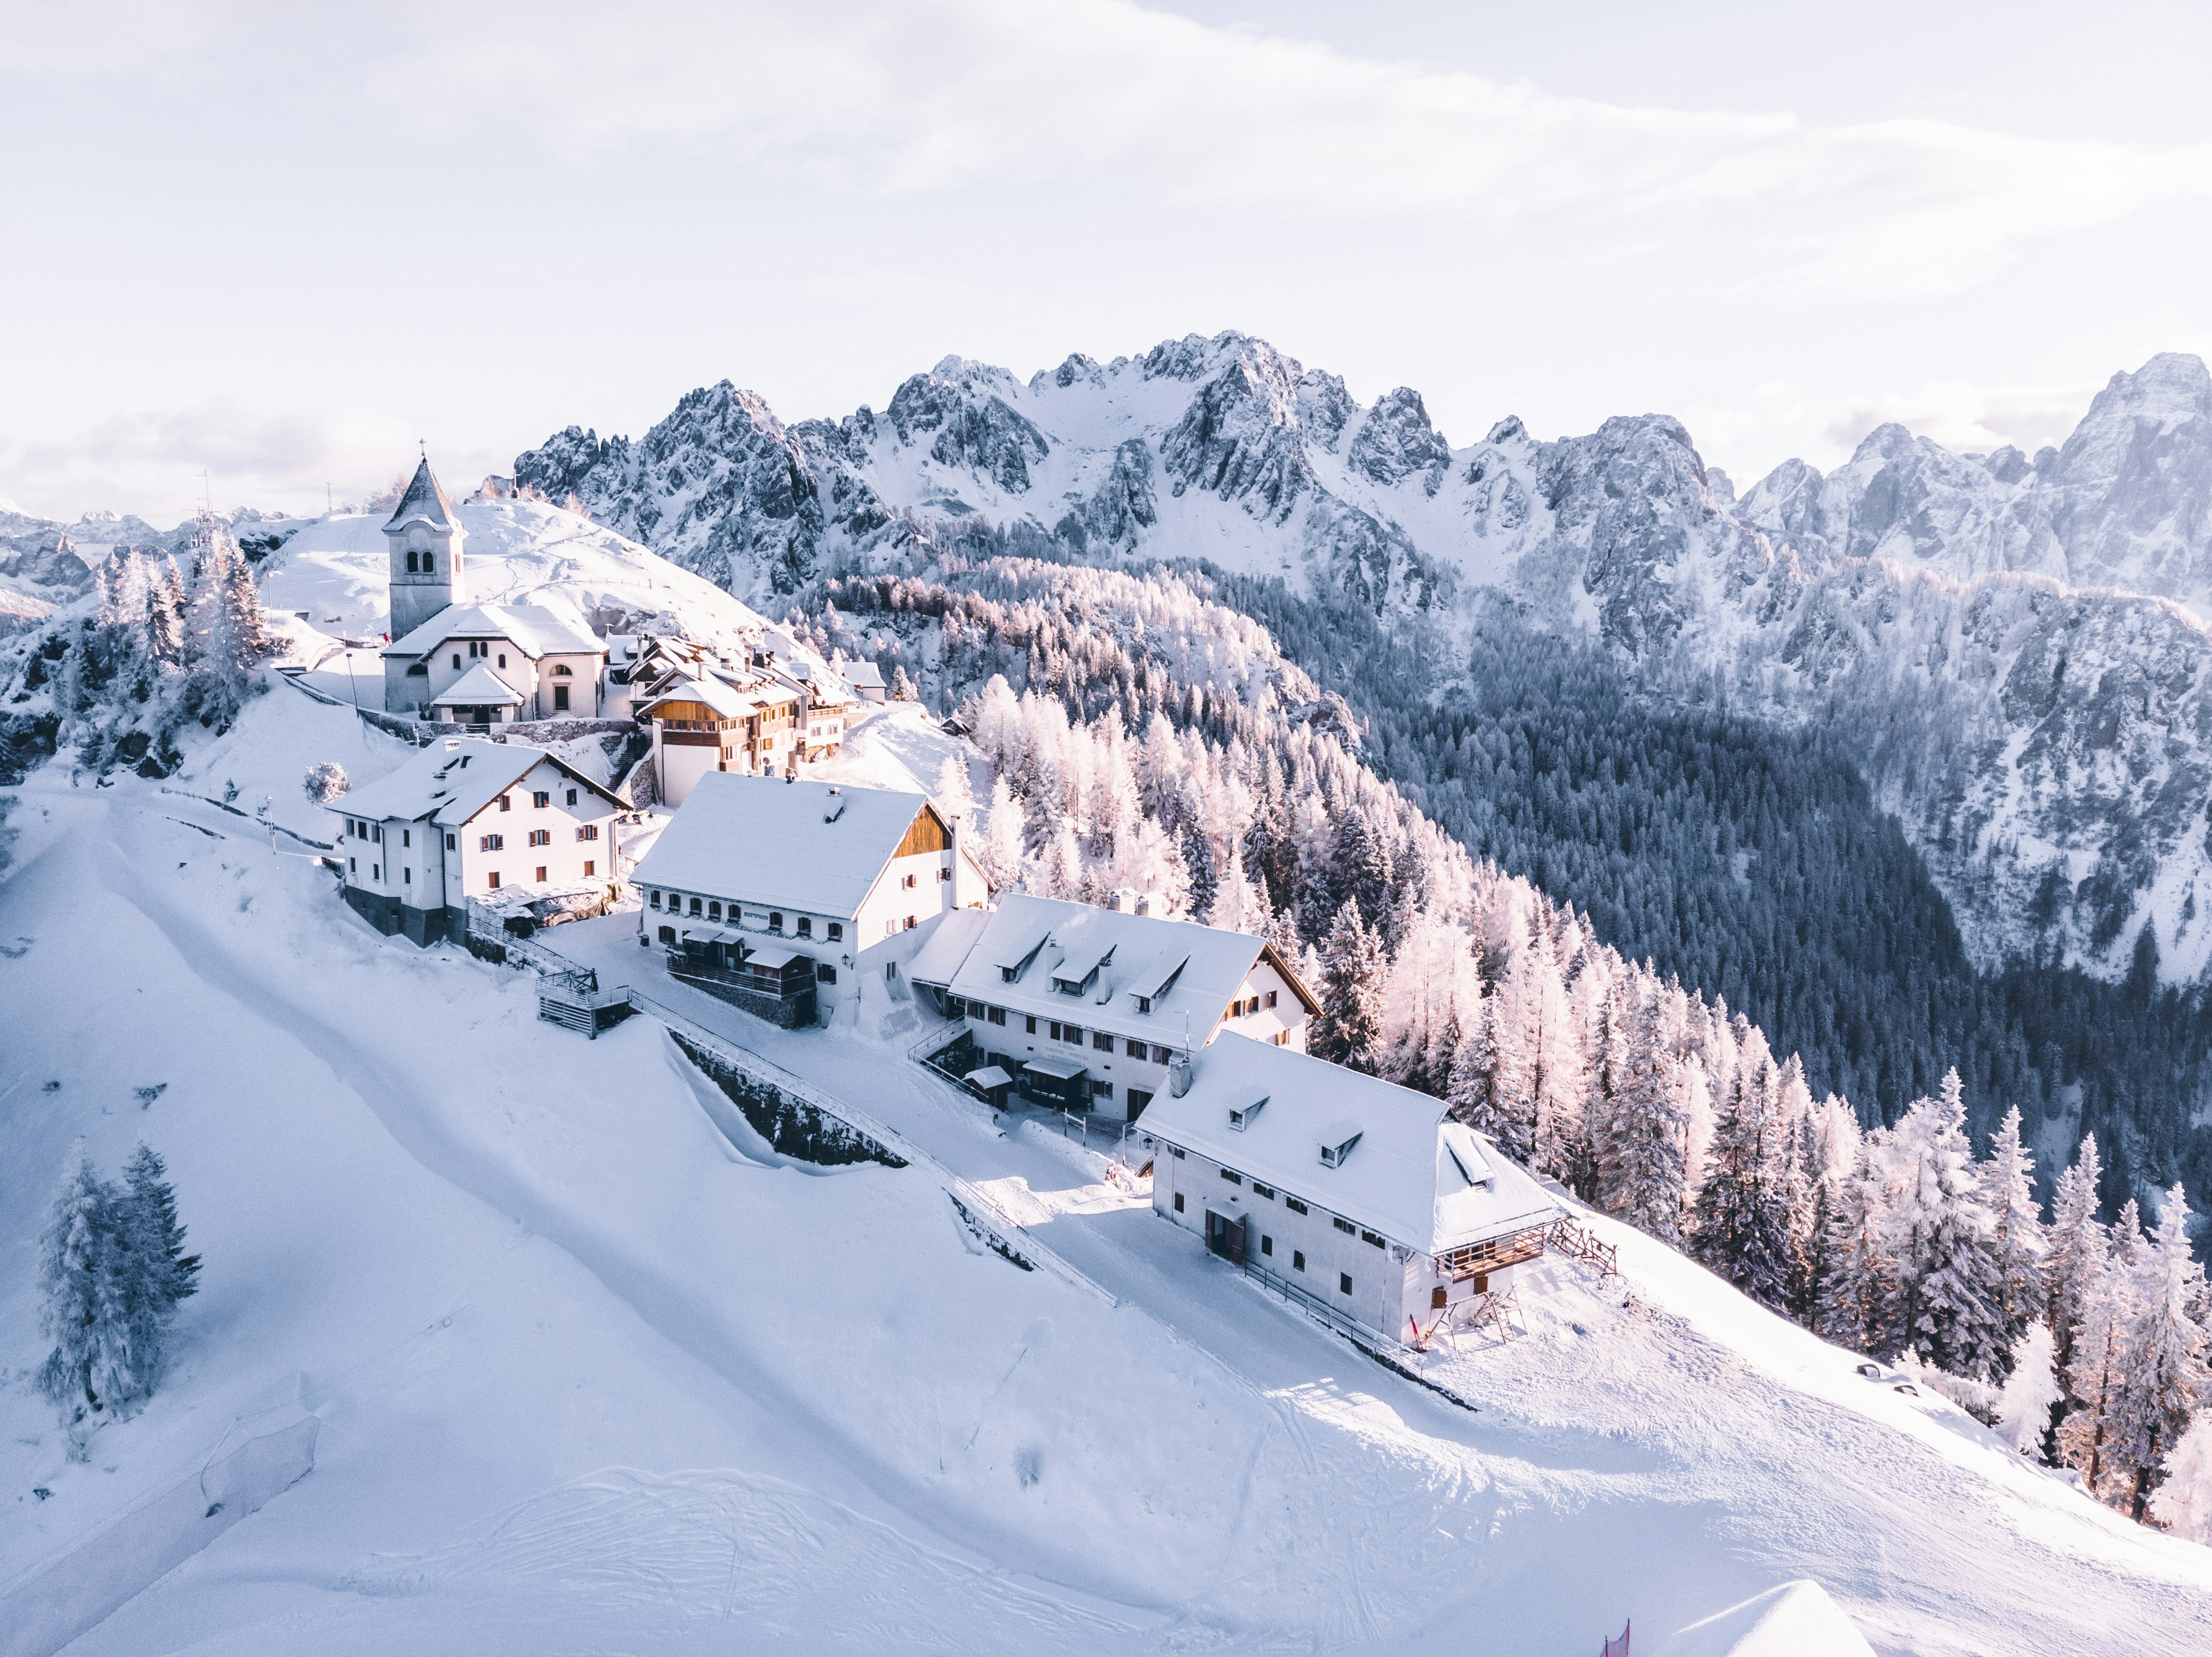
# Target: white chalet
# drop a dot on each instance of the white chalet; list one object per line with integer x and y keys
{"x": 1356, "y": 1195}
{"x": 776, "y": 894}
{"x": 1089, "y": 1008}
{"x": 465, "y": 818}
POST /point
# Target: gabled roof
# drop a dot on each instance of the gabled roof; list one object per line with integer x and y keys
{"x": 725, "y": 702}
{"x": 862, "y": 676}
{"x": 533, "y": 629}
{"x": 814, "y": 846}
{"x": 423, "y": 503}
{"x": 1189, "y": 973}
{"x": 451, "y": 782}
{"x": 1413, "y": 1176}
{"x": 479, "y": 688}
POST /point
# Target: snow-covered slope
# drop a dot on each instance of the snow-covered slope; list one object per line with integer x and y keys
{"x": 1925, "y": 603}
{"x": 592, "y": 1376}
{"x": 332, "y": 572}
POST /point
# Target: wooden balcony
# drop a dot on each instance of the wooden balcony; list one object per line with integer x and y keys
{"x": 1491, "y": 1253}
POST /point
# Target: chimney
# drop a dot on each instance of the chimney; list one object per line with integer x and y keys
{"x": 1179, "y": 1072}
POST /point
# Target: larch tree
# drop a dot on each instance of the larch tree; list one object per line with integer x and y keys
{"x": 2094, "y": 1374}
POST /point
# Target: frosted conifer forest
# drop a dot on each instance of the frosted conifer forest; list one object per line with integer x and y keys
{"x": 1141, "y": 1003}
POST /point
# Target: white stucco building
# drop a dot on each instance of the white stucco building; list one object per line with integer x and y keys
{"x": 1088, "y": 1008}
{"x": 1359, "y": 1195}
{"x": 466, "y": 819}
{"x": 777, "y": 895}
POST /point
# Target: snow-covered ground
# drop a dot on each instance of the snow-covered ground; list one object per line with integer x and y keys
{"x": 592, "y": 1377}
{"x": 333, "y": 573}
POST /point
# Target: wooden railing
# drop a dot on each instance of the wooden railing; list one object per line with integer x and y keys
{"x": 1493, "y": 1254}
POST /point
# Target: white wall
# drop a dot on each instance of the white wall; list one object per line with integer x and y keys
{"x": 469, "y": 866}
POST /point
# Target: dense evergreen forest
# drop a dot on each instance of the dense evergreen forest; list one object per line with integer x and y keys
{"x": 1753, "y": 863}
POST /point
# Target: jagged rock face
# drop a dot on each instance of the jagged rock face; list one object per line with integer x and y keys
{"x": 2126, "y": 502}
{"x": 1241, "y": 439}
{"x": 1395, "y": 441}
{"x": 719, "y": 486}
{"x": 2048, "y": 748}
{"x": 1121, "y": 508}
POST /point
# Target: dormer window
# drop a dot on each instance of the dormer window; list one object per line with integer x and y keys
{"x": 1337, "y": 1141}
{"x": 1144, "y": 1003}
{"x": 1241, "y": 1117}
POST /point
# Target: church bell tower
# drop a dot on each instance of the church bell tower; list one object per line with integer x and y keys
{"x": 424, "y": 539}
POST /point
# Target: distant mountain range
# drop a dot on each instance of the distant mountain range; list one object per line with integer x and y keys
{"x": 2013, "y": 645}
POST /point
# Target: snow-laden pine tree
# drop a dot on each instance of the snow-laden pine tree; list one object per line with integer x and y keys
{"x": 1238, "y": 906}
{"x": 1944, "y": 1276}
{"x": 1751, "y": 1208}
{"x": 2031, "y": 1390}
{"x": 111, "y": 1269}
{"x": 2076, "y": 1239}
{"x": 1641, "y": 1173}
{"x": 2183, "y": 1501}
{"x": 2016, "y": 1230}
{"x": 1855, "y": 1297}
{"x": 1350, "y": 1028}
{"x": 164, "y": 1270}
{"x": 2163, "y": 1375}
{"x": 2095, "y": 1373}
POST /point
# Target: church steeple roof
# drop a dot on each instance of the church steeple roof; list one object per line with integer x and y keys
{"x": 424, "y": 502}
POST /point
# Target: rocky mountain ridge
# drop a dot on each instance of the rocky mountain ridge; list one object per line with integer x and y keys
{"x": 2012, "y": 645}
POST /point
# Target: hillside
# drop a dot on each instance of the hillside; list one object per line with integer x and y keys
{"x": 591, "y": 1374}
{"x": 1954, "y": 621}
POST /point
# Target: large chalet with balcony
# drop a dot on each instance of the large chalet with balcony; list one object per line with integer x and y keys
{"x": 1350, "y": 1193}
{"x": 1093, "y": 1009}
{"x": 777, "y": 895}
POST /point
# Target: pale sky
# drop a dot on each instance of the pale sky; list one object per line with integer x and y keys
{"x": 282, "y": 242}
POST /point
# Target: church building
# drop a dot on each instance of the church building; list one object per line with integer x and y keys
{"x": 468, "y": 664}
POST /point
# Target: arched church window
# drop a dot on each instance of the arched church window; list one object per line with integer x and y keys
{"x": 410, "y": 563}
{"x": 429, "y": 563}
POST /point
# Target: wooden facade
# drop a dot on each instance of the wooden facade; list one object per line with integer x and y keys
{"x": 929, "y": 833}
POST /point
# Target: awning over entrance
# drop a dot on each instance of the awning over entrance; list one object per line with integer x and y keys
{"x": 1060, "y": 1069}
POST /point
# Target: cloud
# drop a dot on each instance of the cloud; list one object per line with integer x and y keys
{"x": 151, "y": 460}
{"x": 1966, "y": 418}
{"x": 952, "y": 95}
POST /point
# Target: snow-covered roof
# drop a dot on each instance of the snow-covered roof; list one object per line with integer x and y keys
{"x": 1189, "y": 973}
{"x": 423, "y": 503}
{"x": 1412, "y": 1175}
{"x": 947, "y": 946}
{"x": 862, "y": 676}
{"x": 533, "y": 629}
{"x": 452, "y": 781}
{"x": 813, "y": 846}
{"x": 724, "y": 702}
{"x": 479, "y": 688}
